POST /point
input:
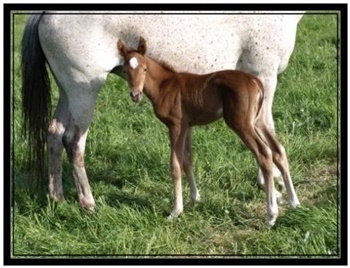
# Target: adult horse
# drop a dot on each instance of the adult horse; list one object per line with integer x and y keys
{"x": 80, "y": 50}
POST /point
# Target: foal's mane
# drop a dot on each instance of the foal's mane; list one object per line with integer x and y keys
{"x": 162, "y": 63}
{"x": 167, "y": 66}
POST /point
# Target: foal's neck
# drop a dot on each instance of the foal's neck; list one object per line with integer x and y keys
{"x": 157, "y": 73}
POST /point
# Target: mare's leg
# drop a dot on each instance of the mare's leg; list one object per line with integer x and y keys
{"x": 177, "y": 134}
{"x": 81, "y": 71}
{"x": 81, "y": 106}
{"x": 55, "y": 147}
{"x": 187, "y": 163}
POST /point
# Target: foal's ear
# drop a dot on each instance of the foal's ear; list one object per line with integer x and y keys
{"x": 123, "y": 50}
{"x": 142, "y": 46}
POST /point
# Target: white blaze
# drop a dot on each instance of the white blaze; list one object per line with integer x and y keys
{"x": 133, "y": 62}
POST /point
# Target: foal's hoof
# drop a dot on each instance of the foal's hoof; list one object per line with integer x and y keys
{"x": 271, "y": 220}
{"x": 294, "y": 204}
{"x": 173, "y": 215}
{"x": 170, "y": 217}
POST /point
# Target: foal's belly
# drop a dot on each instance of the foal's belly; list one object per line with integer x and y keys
{"x": 204, "y": 117}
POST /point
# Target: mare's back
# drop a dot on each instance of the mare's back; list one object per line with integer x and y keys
{"x": 196, "y": 43}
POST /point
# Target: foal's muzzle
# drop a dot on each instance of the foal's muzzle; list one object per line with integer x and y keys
{"x": 136, "y": 95}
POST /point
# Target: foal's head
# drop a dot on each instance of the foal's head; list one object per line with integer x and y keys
{"x": 134, "y": 67}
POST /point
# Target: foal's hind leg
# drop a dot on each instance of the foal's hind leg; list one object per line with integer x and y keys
{"x": 55, "y": 148}
{"x": 242, "y": 126}
{"x": 281, "y": 161}
{"x": 270, "y": 82}
{"x": 263, "y": 156}
{"x": 187, "y": 163}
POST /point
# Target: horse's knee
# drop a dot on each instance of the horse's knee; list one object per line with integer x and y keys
{"x": 71, "y": 140}
{"x": 55, "y": 132}
{"x": 53, "y": 128}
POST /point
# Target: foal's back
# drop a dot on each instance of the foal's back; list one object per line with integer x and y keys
{"x": 206, "y": 97}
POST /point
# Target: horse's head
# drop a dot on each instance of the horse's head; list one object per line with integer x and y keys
{"x": 134, "y": 67}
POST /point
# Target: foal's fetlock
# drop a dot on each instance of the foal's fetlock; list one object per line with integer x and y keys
{"x": 294, "y": 204}
{"x": 174, "y": 214}
{"x": 271, "y": 219}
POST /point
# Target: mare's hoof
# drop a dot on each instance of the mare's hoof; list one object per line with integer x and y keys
{"x": 57, "y": 197}
{"x": 88, "y": 204}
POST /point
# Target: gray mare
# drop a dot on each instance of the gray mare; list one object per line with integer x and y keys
{"x": 81, "y": 51}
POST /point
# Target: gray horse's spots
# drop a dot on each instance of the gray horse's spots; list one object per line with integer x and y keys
{"x": 81, "y": 51}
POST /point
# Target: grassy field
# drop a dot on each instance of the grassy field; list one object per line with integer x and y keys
{"x": 127, "y": 163}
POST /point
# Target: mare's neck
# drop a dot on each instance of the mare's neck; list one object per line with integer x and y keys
{"x": 156, "y": 75}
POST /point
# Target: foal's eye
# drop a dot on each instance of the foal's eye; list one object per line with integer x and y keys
{"x": 145, "y": 70}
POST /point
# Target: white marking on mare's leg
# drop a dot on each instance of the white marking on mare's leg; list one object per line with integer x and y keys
{"x": 133, "y": 63}
{"x": 55, "y": 148}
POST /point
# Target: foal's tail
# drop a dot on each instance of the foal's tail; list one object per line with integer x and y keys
{"x": 36, "y": 95}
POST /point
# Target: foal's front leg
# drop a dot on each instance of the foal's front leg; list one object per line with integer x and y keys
{"x": 188, "y": 167}
{"x": 177, "y": 142}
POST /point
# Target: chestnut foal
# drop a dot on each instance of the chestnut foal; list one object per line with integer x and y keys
{"x": 183, "y": 100}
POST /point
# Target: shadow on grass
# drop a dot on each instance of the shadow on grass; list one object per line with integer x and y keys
{"x": 120, "y": 199}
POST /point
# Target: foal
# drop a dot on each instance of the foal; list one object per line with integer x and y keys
{"x": 183, "y": 100}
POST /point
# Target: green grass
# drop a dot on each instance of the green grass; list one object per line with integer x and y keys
{"x": 127, "y": 157}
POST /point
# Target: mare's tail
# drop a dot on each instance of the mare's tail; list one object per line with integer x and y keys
{"x": 36, "y": 95}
